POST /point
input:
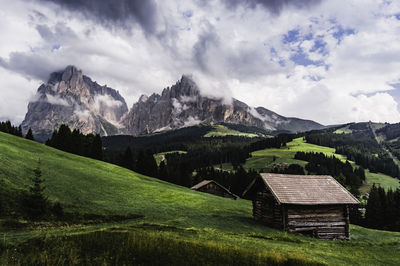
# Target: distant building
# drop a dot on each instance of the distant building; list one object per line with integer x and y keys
{"x": 309, "y": 204}
{"x": 212, "y": 187}
{"x": 281, "y": 165}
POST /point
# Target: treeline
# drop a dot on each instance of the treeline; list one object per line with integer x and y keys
{"x": 178, "y": 168}
{"x": 383, "y": 209}
{"x": 77, "y": 143}
{"x": 236, "y": 181}
{"x": 7, "y": 127}
{"x": 203, "y": 153}
{"x": 358, "y": 147}
{"x": 320, "y": 164}
{"x": 391, "y": 131}
{"x": 361, "y": 140}
{"x": 275, "y": 142}
{"x": 142, "y": 162}
{"x": 292, "y": 169}
{"x": 380, "y": 162}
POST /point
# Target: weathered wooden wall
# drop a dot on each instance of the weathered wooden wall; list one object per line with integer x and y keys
{"x": 321, "y": 221}
{"x": 267, "y": 210}
{"x": 327, "y": 222}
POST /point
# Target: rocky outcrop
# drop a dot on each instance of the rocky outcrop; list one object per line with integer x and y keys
{"x": 71, "y": 98}
{"x": 183, "y": 105}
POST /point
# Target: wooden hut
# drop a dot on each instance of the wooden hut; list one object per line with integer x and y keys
{"x": 308, "y": 204}
{"x": 212, "y": 187}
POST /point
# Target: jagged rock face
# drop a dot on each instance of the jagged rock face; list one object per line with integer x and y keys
{"x": 182, "y": 105}
{"x": 71, "y": 98}
{"x": 74, "y": 99}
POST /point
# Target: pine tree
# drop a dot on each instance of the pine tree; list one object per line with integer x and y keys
{"x": 162, "y": 171}
{"x": 36, "y": 202}
{"x": 19, "y": 131}
{"x": 29, "y": 135}
{"x": 374, "y": 208}
{"x": 127, "y": 159}
{"x": 97, "y": 148}
{"x": 146, "y": 164}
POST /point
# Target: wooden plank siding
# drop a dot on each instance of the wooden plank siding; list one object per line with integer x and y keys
{"x": 327, "y": 222}
{"x": 267, "y": 210}
{"x": 312, "y": 205}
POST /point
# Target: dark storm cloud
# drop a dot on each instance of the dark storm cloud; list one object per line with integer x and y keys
{"x": 38, "y": 62}
{"x": 206, "y": 41}
{"x": 275, "y": 6}
{"x": 115, "y": 13}
{"x": 59, "y": 33}
{"x": 29, "y": 65}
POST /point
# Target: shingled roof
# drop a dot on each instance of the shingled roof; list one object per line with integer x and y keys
{"x": 205, "y": 182}
{"x": 307, "y": 189}
{"x": 202, "y": 183}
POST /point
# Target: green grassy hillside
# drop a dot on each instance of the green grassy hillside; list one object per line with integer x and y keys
{"x": 222, "y": 131}
{"x": 170, "y": 212}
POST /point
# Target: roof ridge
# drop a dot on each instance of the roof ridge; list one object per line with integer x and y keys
{"x": 303, "y": 189}
{"x": 296, "y": 176}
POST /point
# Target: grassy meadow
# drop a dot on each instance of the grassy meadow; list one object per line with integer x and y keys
{"x": 222, "y": 131}
{"x": 176, "y": 225}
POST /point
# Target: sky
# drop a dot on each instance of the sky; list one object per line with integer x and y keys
{"x": 329, "y": 61}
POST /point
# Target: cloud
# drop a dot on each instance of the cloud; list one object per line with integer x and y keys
{"x": 208, "y": 41}
{"x": 83, "y": 115}
{"x": 56, "y": 100}
{"x": 22, "y": 63}
{"x": 191, "y": 121}
{"x": 310, "y": 59}
{"x": 188, "y": 99}
{"x": 177, "y": 107}
{"x": 274, "y": 6}
{"x": 115, "y": 14}
{"x": 101, "y": 101}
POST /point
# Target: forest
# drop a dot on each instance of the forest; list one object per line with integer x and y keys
{"x": 202, "y": 154}
{"x": 357, "y": 147}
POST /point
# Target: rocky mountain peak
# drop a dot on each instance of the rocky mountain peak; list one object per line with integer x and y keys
{"x": 72, "y": 98}
{"x": 71, "y": 73}
{"x": 185, "y": 87}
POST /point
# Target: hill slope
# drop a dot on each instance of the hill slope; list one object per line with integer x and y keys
{"x": 173, "y": 211}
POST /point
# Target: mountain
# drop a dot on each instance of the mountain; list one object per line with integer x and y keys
{"x": 72, "y": 98}
{"x": 182, "y": 105}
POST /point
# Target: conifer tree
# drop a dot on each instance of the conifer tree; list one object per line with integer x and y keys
{"x": 373, "y": 210}
{"x": 19, "y": 131}
{"x": 146, "y": 164}
{"x": 29, "y": 135}
{"x": 127, "y": 159}
{"x": 97, "y": 148}
{"x": 162, "y": 171}
{"x": 36, "y": 202}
